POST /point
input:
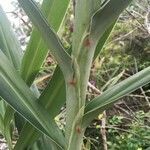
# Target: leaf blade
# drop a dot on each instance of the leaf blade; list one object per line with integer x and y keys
{"x": 103, "y": 40}
{"x": 52, "y": 98}
{"x": 36, "y": 53}
{"x": 48, "y": 34}
{"x": 106, "y": 15}
{"x": 19, "y": 96}
{"x": 8, "y": 41}
{"x": 98, "y": 104}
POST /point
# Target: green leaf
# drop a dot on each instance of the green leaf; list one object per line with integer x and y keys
{"x": 15, "y": 92}
{"x": 27, "y": 137}
{"x": 48, "y": 34}
{"x": 44, "y": 144}
{"x": 51, "y": 94}
{"x": 103, "y": 40}
{"x": 1, "y": 125}
{"x": 105, "y": 17}
{"x": 9, "y": 115}
{"x": 10, "y": 46}
{"x": 8, "y": 42}
{"x": 2, "y": 113}
{"x": 114, "y": 93}
{"x": 2, "y": 107}
{"x": 52, "y": 98}
{"x": 36, "y": 50}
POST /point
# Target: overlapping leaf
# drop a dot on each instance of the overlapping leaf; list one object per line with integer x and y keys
{"x": 114, "y": 93}
{"x": 18, "y": 95}
{"x": 103, "y": 40}
{"x": 105, "y": 16}
{"x": 53, "y": 96}
{"x": 48, "y": 35}
{"x": 8, "y": 42}
{"x": 12, "y": 49}
{"x": 37, "y": 49}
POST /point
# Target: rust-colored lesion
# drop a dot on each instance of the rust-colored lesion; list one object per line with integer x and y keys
{"x": 88, "y": 42}
{"x": 73, "y": 82}
{"x": 78, "y": 129}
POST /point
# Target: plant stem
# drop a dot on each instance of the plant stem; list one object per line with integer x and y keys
{"x": 103, "y": 131}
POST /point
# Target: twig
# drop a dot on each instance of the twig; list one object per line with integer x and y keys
{"x": 103, "y": 131}
{"x": 97, "y": 91}
{"x": 116, "y": 128}
{"x": 41, "y": 79}
{"x": 122, "y": 37}
{"x": 131, "y": 112}
{"x": 139, "y": 96}
{"x": 136, "y": 20}
{"x": 122, "y": 109}
{"x": 146, "y": 98}
{"x": 103, "y": 123}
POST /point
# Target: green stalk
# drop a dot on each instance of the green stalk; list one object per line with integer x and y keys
{"x": 89, "y": 28}
{"x": 82, "y": 56}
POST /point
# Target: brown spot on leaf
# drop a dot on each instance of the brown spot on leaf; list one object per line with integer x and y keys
{"x": 72, "y": 82}
{"x": 78, "y": 129}
{"x": 87, "y": 42}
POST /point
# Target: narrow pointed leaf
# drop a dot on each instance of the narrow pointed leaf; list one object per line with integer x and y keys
{"x": 8, "y": 42}
{"x": 48, "y": 35}
{"x": 106, "y": 15}
{"x": 36, "y": 50}
{"x": 1, "y": 125}
{"x": 2, "y": 107}
{"x": 34, "y": 57}
{"x": 45, "y": 144}
{"x": 103, "y": 40}
{"x": 18, "y": 95}
{"x": 10, "y": 46}
{"x": 110, "y": 96}
{"x": 9, "y": 115}
{"x": 52, "y": 98}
